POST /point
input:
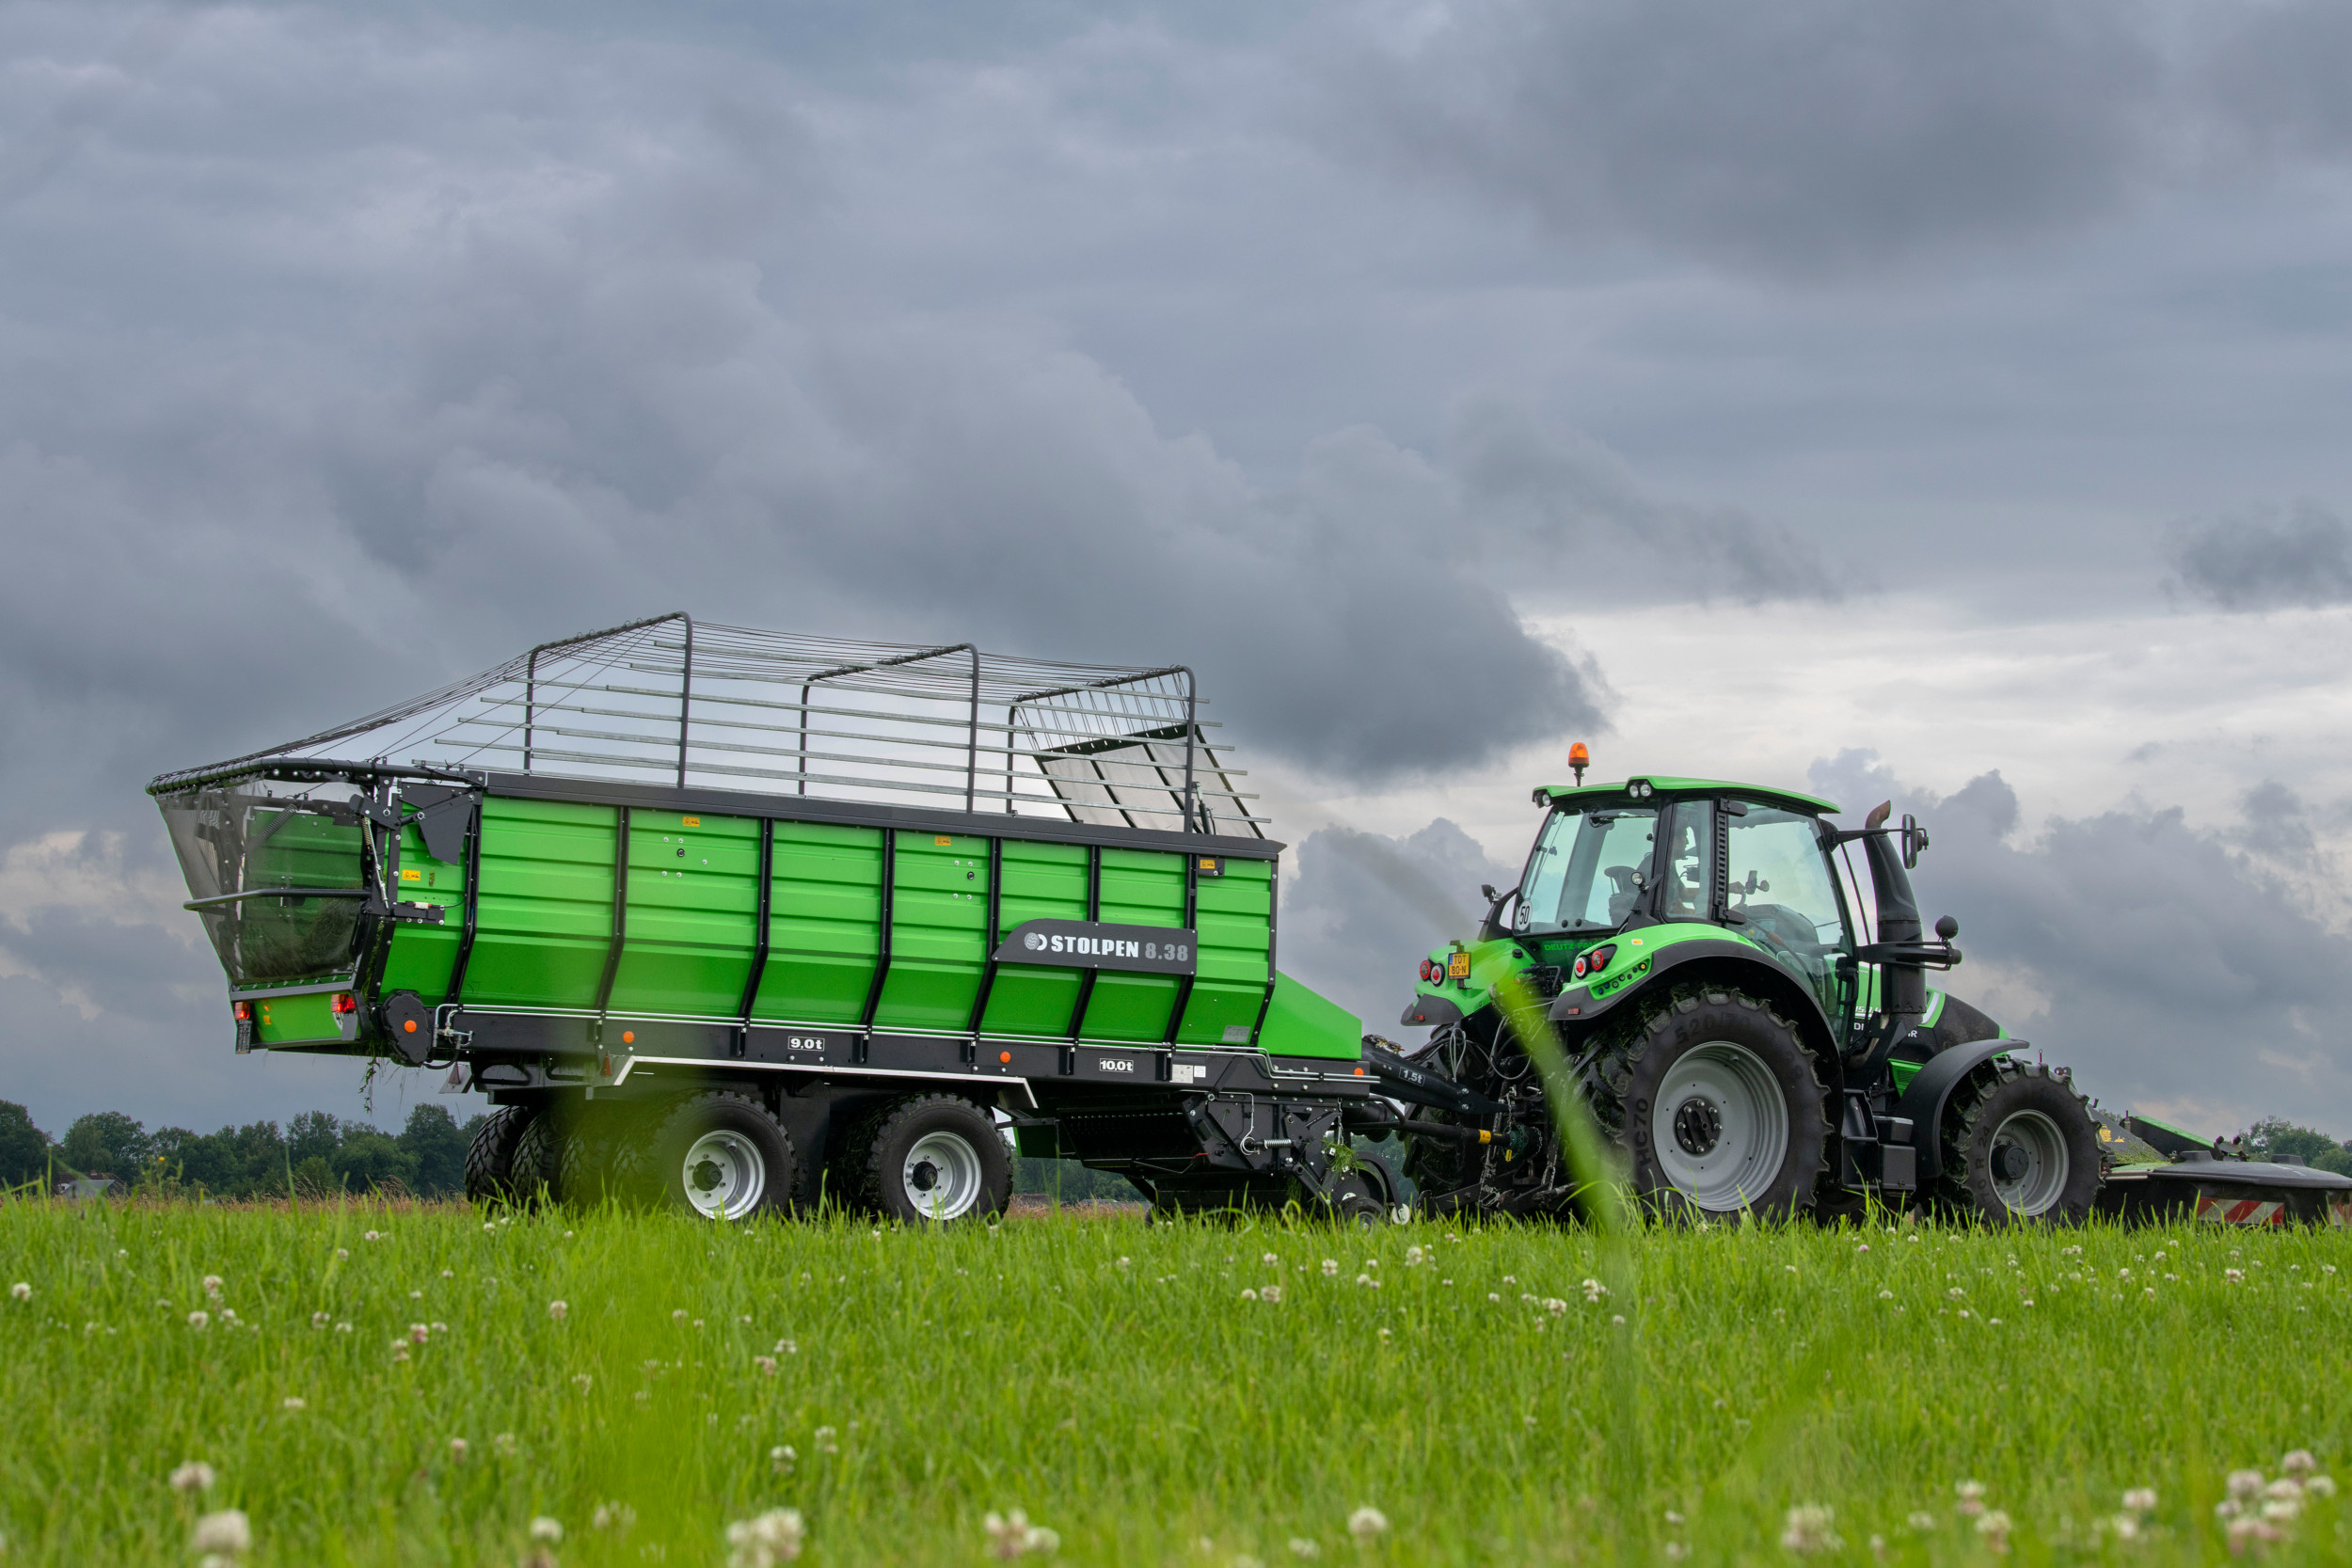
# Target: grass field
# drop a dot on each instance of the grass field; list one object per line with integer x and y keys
{"x": 1114, "y": 1381}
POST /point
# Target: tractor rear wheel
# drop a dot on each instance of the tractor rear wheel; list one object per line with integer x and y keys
{"x": 490, "y": 1157}
{"x": 2020, "y": 1147}
{"x": 1719, "y": 1108}
{"x": 934, "y": 1157}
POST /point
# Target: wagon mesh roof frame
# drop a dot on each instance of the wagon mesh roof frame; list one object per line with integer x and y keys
{"x": 668, "y": 700}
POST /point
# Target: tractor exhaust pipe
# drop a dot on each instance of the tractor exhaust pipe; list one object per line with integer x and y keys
{"x": 1901, "y": 951}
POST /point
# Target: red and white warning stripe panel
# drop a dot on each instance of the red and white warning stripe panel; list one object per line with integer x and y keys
{"x": 2241, "y": 1210}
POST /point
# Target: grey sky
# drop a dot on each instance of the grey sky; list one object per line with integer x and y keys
{"x": 1735, "y": 388}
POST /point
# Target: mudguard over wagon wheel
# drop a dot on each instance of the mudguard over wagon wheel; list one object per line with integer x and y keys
{"x": 2020, "y": 1147}
{"x": 1718, "y": 1107}
{"x": 927, "y": 1157}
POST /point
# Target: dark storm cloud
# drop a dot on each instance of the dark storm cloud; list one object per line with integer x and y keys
{"x": 1362, "y": 907}
{"x": 1818, "y": 135}
{"x": 2178, "y": 965}
{"x": 1558, "y": 489}
{"x": 2268, "y": 559}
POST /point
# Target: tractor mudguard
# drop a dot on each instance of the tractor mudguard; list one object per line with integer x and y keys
{"x": 1932, "y": 1086}
{"x": 1576, "y": 1004}
{"x": 1436, "y": 1011}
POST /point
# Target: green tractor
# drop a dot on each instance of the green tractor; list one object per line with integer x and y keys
{"x": 1694, "y": 955}
{"x": 1745, "y": 1038}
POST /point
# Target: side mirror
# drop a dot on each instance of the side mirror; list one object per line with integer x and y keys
{"x": 1914, "y": 839}
{"x": 1947, "y": 928}
{"x": 1489, "y": 889}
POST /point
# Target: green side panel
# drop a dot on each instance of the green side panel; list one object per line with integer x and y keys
{"x": 938, "y": 932}
{"x": 286, "y": 1019}
{"x": 1300, "y": 1023}
{"x": 422, "y": 956}
{"x": 1041, "y": 882}
{"x": 694, "y": 913}
{"x": 545, "y": 908}
{"x": 1233, "y": 915}
{"x": 824, "y": 923}
{"x": 1140, "y": 887}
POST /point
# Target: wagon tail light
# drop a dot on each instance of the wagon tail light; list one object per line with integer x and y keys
{"x": 1595, "y": 962}
{"x": 345, "y": 1002}
{"x": 245, "y": 1012}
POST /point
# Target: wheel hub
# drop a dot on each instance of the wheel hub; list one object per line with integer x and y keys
{"x": 2010, "y": 1162}
{"x": 923, "y": 1175}
{"x": 1699, "y": 1125}
{"x": 708, "y": 1175}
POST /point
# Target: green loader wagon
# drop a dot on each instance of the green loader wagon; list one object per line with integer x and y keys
{"x": 736, "y": 920}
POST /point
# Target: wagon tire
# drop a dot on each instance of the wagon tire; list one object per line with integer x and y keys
{"x": 535, "y": 1175}
{"x": 930, "y": 1157}
{"x": 490, "y": 1156}
{"x": 719, "y": 1154}
{"x": 602, "y": 1159}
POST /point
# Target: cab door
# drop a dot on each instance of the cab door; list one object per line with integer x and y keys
{"x": 1781, "y": 890}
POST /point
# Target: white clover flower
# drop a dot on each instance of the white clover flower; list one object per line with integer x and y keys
{"x": 2279, "y": 1510}
{"x": 547, "y": 1530}
{"x": 1555, "y": 1305}
{"x": 2235, "y": 1276}
{"x": 1367, "y": 1525}
{"x": 1331, "y": 1270}
{"x": 782, "y": 1458}
{"x": 1886, "y": 1295}
{"x": 582, "y": 1381}
{"x": 1272, "y": 1294}
{"x": 767, "y": 1365}
{"x": 211, "y": 1286}
{"x": 294, "y": 1401}
{"x": 342, "y": 1255}
{"x": 2245, "y": 1485}
{"x": 503, "y": 1445}
{"x": 558, "y": 1310}
{"x": 1271, "y": 1262}
{"x": 1971, "y": 1495}
{"x": 1124, "y": 1260}
{"x": 194, "y": 1476}
{"x": 1367, "y": 1279}
{"x": 2125, "y": 1526}
{"x": 200, "y": 1320}
{"x": 1921, "y": 1521}
{"x": 1811, "y": 1527}
{"x": 2251, "y": 1532}
{"x": 786, "y": 1347}
{"x": 825, "y": 1440}
{"x": 2298, "y": 1463}
{"x": 1994, "y": 1527}
{"x": 1594, "y": 1290}
{"x": 21, "y": 1291}
{"x": 489, "y": 1227}
{"x": 1249, "y": 1295}
{"x": 1012, "y": 1535}
{"x": 372, "y": 1236}
{"x": 2141, "y": 1499}
{"x": 612, "y": 1516}
{"x": 2285, "y": 1487}
{"x": 227, "y": 1534}
{"x": 1491, "y": 1296}
{"x": 2320, "y": 1486}
{"x": 1301, "y": 1546}
{"x": 677, "y": 1314}
{"x": 1616, "y": 1320}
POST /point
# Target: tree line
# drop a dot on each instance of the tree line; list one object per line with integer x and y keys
{"x": 316, "y": 1153}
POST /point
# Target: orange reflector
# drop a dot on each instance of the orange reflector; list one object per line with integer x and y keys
{"x": 1359, "y": 1072}
{"x": 1004, "y": 1055}
{"x": 408, "y": 1026}
{"x": 628, "y": 1036}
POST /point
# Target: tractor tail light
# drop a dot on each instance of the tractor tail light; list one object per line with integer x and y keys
{"x": 345, "y": 1002}
{"x": 245, "y": 1012}
{"x": 1424, "y": 972}
{"x": 1597, "y": 959}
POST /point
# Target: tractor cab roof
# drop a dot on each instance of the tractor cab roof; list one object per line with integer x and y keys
{"x": 1652, "y": 787}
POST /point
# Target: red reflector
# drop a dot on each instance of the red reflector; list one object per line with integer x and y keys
{"x": 345, "y": 1002}
{"x": 1579, "y": 969}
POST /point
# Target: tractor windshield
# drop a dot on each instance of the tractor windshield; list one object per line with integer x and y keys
{"x": 1587, "y": 870}
{"x": 279, "y": 872}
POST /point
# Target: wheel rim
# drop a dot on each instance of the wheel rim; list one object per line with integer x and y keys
{"x": 725, "y": 1175}
{"x": 943, "y": 1177}
{"x": 2029, "y": 1163}
{"x": 1720, "y": 1126}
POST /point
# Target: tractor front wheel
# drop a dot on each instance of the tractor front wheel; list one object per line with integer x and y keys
{"x": 1720, "y": 1109}
{"x": 2019, "y": 1146}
